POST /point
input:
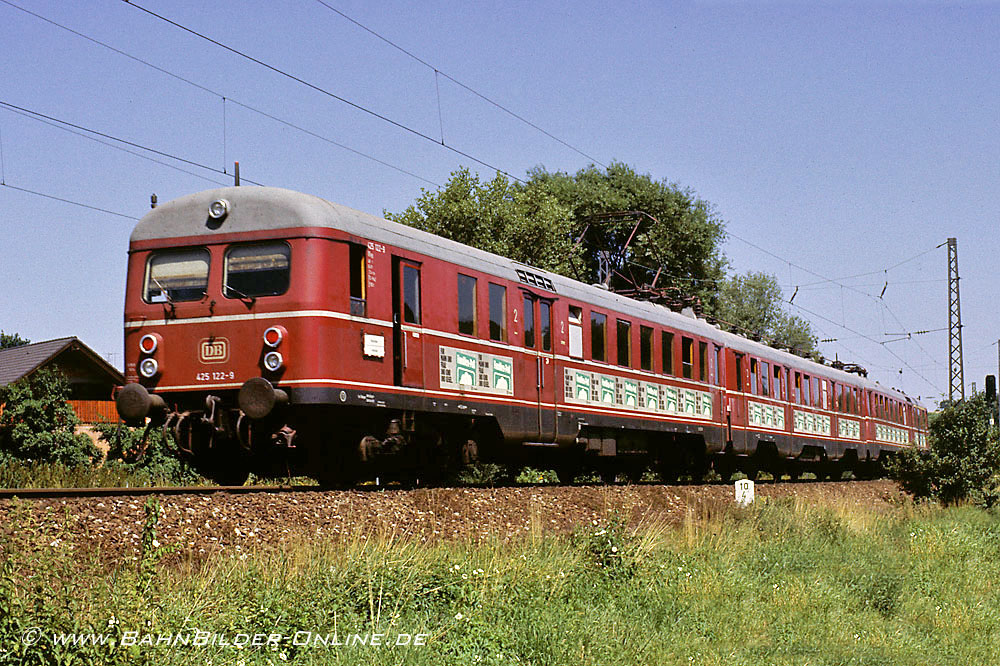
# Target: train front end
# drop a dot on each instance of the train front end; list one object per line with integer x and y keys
{"x": 217, "y": 283}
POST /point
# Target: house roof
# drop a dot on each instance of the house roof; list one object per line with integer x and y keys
{"x": 18, "y": 362}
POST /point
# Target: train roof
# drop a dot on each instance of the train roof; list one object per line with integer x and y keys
{"x": 271, "y": 208}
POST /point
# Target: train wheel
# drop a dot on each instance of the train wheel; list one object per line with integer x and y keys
{"x": 609, "y": 475}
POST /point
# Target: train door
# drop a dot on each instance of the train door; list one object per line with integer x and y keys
{"x": 736, "y": 416}
{"x": 538, "y": 336}
{"x": 719, "y": 380}
{"x": 407, "y": 337}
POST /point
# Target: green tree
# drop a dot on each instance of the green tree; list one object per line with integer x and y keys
{"x": 525, "y": 225}
{"x": 8, "y": 340}
{"x": 37, "y": 423}
{"x": 751, "y": 305}
{"x": 674, "y": 232}
{"x": 538, "y": 223}
{"x": 962, "y": 461}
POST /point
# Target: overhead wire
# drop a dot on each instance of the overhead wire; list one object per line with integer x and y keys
{"x": 458, "y": 83}
{"x": 37, "y": 118}
{"x": 69, "y": 201}
{"x": 870, "y": 339}
{"x": 824, "y": 279}
{"x": 321, "y": 90}
{"x": 126, "y": 142}
{"x": 224, "y": 98}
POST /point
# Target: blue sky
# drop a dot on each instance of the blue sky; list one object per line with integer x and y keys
{"x": 838, "y": 138}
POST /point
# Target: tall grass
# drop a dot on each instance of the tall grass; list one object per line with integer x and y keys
{"x": 778, "y": 583}
{"x": 18, "y": 474}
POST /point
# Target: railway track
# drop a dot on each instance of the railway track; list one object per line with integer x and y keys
{"x": 148, "y": 491}
{"x": 48, "y": 493}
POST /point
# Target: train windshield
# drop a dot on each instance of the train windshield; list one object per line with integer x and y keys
{"x": 260, "y": 269}
{"x": 176, "y": 275}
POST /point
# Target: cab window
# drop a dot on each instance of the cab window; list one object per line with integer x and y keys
{"x": 357, "y": 263}
{"x": 176, "y": 275}
{"x": 259, "y": 269}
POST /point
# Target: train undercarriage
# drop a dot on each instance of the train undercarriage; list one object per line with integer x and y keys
{"x": 231, "y": 435}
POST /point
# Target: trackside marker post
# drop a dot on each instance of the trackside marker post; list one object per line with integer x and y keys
{"x": 744, "y": 492}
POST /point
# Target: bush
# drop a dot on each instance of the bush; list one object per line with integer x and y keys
{"x": 156, "y": 458}
{"x": 963, "y": 461}
{"x": 37, "y": 423}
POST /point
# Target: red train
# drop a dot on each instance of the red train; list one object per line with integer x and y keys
{"x": 274, "y": 331}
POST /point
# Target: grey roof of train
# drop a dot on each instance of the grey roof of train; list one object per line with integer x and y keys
{"x": 266, "y": 208}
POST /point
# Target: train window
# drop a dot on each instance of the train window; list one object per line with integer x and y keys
{"x": 529, "y": 321}
{"x": 356, "y": 276}
{"x": 719, "y": 374}
{"x": 805, "y": 390}
{"x": 545, "y": 324}
{"x": 850, "y": 400}
{"x": 598, "y": 336}
{"x": 815, "y": 392}
{"x": 645, "y": 347}
{"x": 624, "y": 342}
{"x": 575, "y": 331}
{"x": 739, "y": 372}
{"x": 753, "y": 376}
{"x": 466, "y": 304}
{"x": 703, "y": 361}
{"x": 779, "y": 389}
{"x": 176, "y": 275}
{"x": 687, "y": 357}
{"x": 259, "y": 269}
{"x": 765, "y": 373}
{"x": 825, "y": 389}
{"x": 667, "y": 351}
{"x": 411, "y": 294}
{"x": 498, "y": 312}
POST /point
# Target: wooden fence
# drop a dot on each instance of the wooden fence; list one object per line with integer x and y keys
{"x": 95, "y": 411}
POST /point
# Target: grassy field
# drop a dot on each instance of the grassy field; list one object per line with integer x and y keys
{"x": 778, "y": 583}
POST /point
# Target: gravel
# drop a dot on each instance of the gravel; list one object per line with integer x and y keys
{"x": 202, "y": 524}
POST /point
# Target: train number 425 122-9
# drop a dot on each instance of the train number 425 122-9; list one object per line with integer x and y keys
{"x": 216, "y": 376}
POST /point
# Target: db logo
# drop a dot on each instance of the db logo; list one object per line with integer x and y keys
{"x": 213, "y": 350}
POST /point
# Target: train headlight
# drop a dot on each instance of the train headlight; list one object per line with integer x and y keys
{"x": 149, "y": 367}
{"x": 273, "y": 361}
{"x": 273, "y": 336}
{"x": 218, "y": 209}
{"x": 148, "y": 343}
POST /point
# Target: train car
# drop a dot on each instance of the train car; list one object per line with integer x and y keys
{"x": 274, "y": 331}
